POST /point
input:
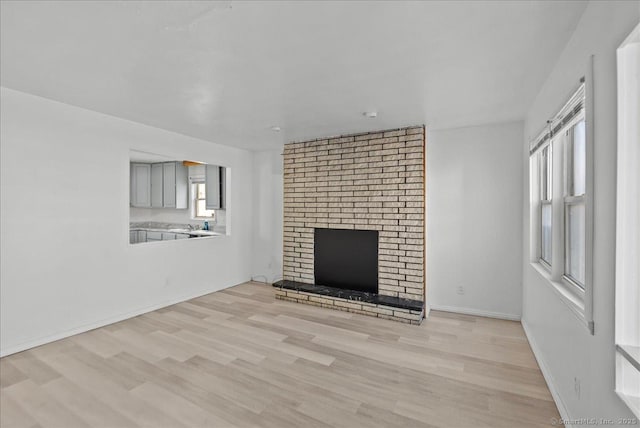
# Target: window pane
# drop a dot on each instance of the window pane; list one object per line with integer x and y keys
{"x": 201, "y": 208}
{"x": 546, "y": 233}
{"x": 545, "y": 173}
{"x": 549, "y": 172}
{"x": 202, "y": 194}
{"x": 202, "y": 211}
{"x": 575, "y": 245}
{"x": 579, "y": 159}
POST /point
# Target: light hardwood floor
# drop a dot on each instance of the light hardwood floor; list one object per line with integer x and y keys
{"x": 241, "y": 358}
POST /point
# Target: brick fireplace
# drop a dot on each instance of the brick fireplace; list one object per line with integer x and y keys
{"x": 373, "y": 181}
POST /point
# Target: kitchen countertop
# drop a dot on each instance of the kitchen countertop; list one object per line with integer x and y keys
{"x": 172, "y": 228}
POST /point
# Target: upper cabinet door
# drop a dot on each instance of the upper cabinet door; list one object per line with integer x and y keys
{"x": 212, "y": 187}
{"x": 156, "y": 185}
{"x": 159, "y": 185}
{"x": 169, "y": 186}
{"x": 140, "y": 185}
{"x": 182, "y": 186}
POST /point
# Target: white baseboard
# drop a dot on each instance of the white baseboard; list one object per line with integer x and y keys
{"x": 92, "y": 326}
{"x": 548, "y": 377}
{"x": 476, "y": 312}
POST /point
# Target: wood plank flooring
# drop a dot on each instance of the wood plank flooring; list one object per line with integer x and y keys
{"x": 241, "y": 358}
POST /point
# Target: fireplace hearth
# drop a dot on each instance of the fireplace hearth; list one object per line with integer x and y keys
{"x": 351, "y": 296}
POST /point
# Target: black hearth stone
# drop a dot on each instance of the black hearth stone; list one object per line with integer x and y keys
{"x": 358, "y": 296}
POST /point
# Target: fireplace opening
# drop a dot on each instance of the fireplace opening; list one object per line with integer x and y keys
{"x": 346, "y": 259}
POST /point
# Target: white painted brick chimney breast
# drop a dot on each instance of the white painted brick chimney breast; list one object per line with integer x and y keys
{"x": 372, "y": 181}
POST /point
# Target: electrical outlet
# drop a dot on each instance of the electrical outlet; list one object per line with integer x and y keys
{"x": 461, "y": 290}
{"x": 576, "y": 387}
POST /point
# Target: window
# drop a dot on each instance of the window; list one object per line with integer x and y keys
{"x": 560, "y": 211}
{"x": 574, "y": 203}
{"x": 546, "y": 177}
{"x": 200, "y": 202}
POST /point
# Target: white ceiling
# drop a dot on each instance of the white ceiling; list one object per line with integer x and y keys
{"x": 229, "y": 71}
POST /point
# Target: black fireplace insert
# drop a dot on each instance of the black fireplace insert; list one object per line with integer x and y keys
{"x": 346, "y": 259}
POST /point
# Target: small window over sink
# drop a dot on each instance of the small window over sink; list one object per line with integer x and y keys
{"x": 200, "y": 202}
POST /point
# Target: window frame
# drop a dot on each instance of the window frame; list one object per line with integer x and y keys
{"x": 569, "y": 199}
{"x": 194, "y": 203}
{"x": 545, "y": 164}
{"x": 627, "y": 281}
{"x": 578, "y": 300}
{"x": 577, "y": 200}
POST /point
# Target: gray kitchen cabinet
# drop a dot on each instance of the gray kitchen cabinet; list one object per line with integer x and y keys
{"x": 214, "y": 187}
{"x": 182, "y": 235}
{"x": 154, "y": 236}
{"x": 168, "y": 236}
{"x": 157, "y": 185}
{"x": 140, "y": 192}
{"x": 133, "y": 237}
{"x": 175, "y": 185}
{"x": 169, "y": 184}
{"x": 142, "y": 236}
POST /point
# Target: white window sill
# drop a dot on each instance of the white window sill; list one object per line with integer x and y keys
{"x": 631, "y": 401}
{"x": 628, "y": 360}
{"x": 570, "y": 299}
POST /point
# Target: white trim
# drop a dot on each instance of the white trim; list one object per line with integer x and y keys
{"x": 574, "y": 101}
{"x": 544, "y": 265}
{"x": 590, "y": 193}
{"x": 476, "y": 312}
{"x": 104, "y": 322}
{"x": 571, "y": 300}
{"x": 631, "y": 354}
{"x": 427, "y": 311}
{"x": 628, "y": 401}
{"x": 569, "y": 106}
{"x": 548, "y": 377}
{"x": 627, "y": 279}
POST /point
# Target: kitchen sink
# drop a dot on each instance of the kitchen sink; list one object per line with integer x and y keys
{"x": 204, "y": 233}
{"x": 163, "y": 233}
{"x": 194, "y": 232}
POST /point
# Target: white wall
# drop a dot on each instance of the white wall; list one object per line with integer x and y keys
{"x": 267, "y": 221}
{"x": 563, "y": 345}
{"x": 474, "y": 216}
{"x": 66, "y": 263}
